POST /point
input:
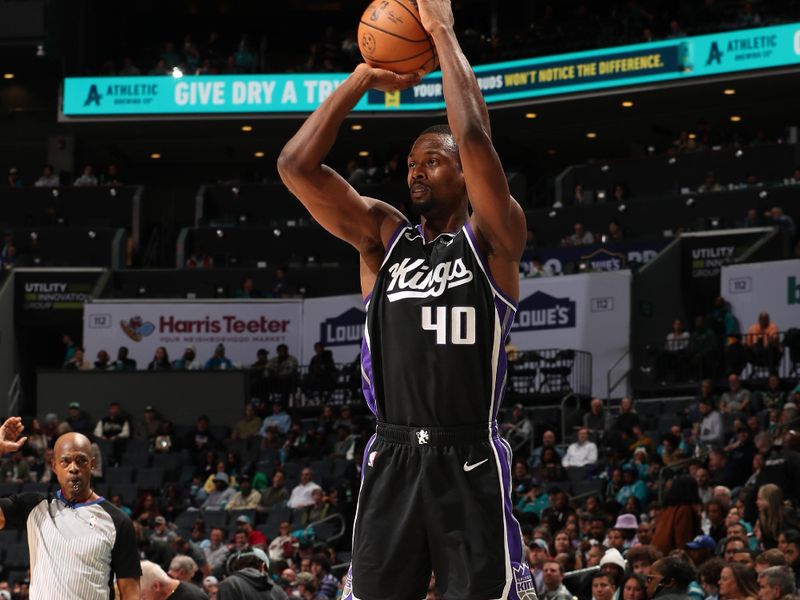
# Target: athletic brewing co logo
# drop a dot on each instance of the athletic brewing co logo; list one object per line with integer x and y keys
{"x": 344, "y": 330}
{"x": 93, "y": 97}
{"x": 414, "y": 279}
{"x": 542, "y": 311}
{"x": 136, "y": 329}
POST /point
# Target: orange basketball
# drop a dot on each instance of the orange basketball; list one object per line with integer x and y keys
{"x": 391, "y": 36}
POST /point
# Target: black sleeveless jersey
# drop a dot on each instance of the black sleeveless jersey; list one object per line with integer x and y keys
{"x": 433, "y": 352}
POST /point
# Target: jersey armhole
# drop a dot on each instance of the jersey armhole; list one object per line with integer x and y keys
{"x": 484, "y": 264}
{"x": 393, "y": 239}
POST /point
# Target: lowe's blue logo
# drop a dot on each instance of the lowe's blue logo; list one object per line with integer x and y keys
{"x": 542, "y": 311}
{"x": 344, "y": 330}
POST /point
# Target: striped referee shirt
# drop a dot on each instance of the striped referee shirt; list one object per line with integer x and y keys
{"x": 75, "y": 549}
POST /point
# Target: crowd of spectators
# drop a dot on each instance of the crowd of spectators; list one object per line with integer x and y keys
{"x": 50, "y": 179}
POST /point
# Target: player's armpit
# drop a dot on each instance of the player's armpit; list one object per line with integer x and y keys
{"x": 129, "y": 588}
{"x": 2, "y": 519}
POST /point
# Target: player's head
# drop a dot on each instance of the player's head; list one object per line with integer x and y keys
{"x": 73, "y": 463}
{"x": 435, "y": 179}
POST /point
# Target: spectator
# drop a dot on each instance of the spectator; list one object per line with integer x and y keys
{"x": 615, "y": 234}
{"x": 301, "y": 494}
{"x": 14, "y": 179}
{"x": 773, "y": 396}
{"x": 675, "y": 357}
{"x": 262, "y": 361}
{"x": 752, "y": 219}
{"x": 548, "y": 441}
{"x": 15, "y": 469}
{"x": 669, "y": 578}
{"x": 603, "y": 586}
{"x": 246, "y": 497}
{"x": 103, "y": 361}
{"x": 702, "y": 348}
{"x": 150, "y": 425}
{"x": 327, "y": 585}
{"x": 216, "y": 551}
{"x": 161, "y": 532}
{"x": 155, "y": 584}
{"x": 708, "y": 577}
{"x": 776, "y": 583}
{"x": 321, "y": 370}
{"x": 701, "y": 549}
{"x": 282, "y": 371}
{"x": 538, "y": 269}
{"x": 720, "y": 469}
{"x": 553, "y": 586}
{"x": 78, "y": 361}
{"x": 770, "y": 558}
{"x": 581, "y": 453}
{"x": 189, "y": 360}
{"x": 218, "y": 361}
{"x": 679, "y": 522}
{"x": 597, "y": 419}
{"x": 581, "y": 237}
{"x": 254, "y": 537}
{"x": 559, "y": 511}
{"x": 634, "y": 588}
{"x": 111, "y": 176}
{"x": 249, "y": 578}
{"x": 710, "y": 184}
{"x": 773, "y": 517}
{"x": 160, "y": 360}
{"x": 704, "y": 490}
{"x": 222, "y": 494}
{"x": 211, "y": 586}
{"x": 201, "y": 440}
{"x": 284, "y": 545}
{"x": 279, "y": 420}
{"x": 114, "y": 426}
{"x": 762, "y": 342}
{"x": 275, "y": 495}
{"x": 248, "y": 426}
{"x": 182, "y": 568}
{"x": 710, "y": 428}
{"x": 48, "y": 178}
{"x": 613, "y": 565}
{"x": 737, "y": 582}
{"x": 784, "y": 222}
{"x": 87, "y": 178}
{"x": 78, "y": 420}
{"x": 248, "y": 290}
{"x": 199, "y": 260}
{"x": 538, "y": 554}
{"x": 123, "y": 363}
{"x": 317, "y": 511}
{"x": 518, "y": 429}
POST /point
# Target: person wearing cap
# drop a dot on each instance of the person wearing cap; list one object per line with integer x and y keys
{"x": 157, "y": 585}
{"x": 581, "y": 453}
{"x": 626, "y": 524}
{"x": 149, "y": 426}
{"x": 613, "y": 564}
{"x": 161, "y": 532}
{"x": 538, "y": 554}
{"x": 254, "y": 537}
{"x": 188, "y": 361}
{"x": 701, "y": 548}
{"x": 222, "y": 494}
{"x": 246, "y": 497}
{"x": 14, "y": 179}
{"x": 249, "y": 578}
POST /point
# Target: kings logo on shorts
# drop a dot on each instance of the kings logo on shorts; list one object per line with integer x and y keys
{"x": 523, "y": 581}
{"x": 542, "y": 311}
{"x": 414, "y": 279}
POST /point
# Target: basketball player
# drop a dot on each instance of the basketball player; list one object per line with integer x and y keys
{"x": 440, "y": 297}
{"x": 78, "y": 541}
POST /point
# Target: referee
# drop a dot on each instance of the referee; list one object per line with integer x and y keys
{"x": 78, "y": 541}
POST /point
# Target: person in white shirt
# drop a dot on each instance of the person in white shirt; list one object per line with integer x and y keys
{"x": 581, "y": 453}
{"x": 48, "y": 178}
{"x": 301, "y": 494}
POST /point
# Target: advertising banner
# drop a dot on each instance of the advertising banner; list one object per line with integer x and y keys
{"x": 773, "y": 287}
{"x": 577, "y": 72}
{"x": 597, "y": 257}
{"x": 242, "y": 327}
{"x": 337, "y": 322}
{"x": 589, "y": 312}
{"x": 44, "y": 297}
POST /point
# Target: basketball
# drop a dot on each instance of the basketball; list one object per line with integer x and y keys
{"x": 391, "y": 36}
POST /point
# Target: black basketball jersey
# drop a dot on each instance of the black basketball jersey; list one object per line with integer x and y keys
{"x": 434, "y": 343}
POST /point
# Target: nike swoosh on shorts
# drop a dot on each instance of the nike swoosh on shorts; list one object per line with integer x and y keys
{"x": 468, "y": 467}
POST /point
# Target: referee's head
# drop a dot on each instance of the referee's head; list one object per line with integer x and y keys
{"x": 73, "y": 463}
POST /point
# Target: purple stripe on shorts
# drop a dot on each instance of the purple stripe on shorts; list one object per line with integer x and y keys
{"x": 522, "y": 584}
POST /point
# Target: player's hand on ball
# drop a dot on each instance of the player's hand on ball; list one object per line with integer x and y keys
{"x": 389, "y": 81}
{"x": 9, "y": 434}
{"x": 435, "y": 14}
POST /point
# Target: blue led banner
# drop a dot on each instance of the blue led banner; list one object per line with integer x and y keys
{"x": 663, "y": 61}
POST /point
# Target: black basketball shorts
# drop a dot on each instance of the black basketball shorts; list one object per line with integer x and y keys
{"x": 438, "y": 500}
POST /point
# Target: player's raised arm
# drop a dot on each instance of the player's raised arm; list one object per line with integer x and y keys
{"x": 333, "y": 202}
{"x": 10, "y": 442}
{"x": 497, "y": 215}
